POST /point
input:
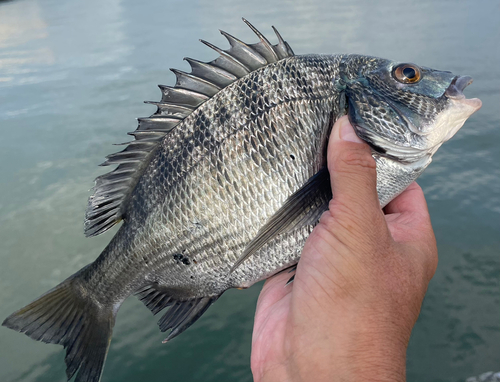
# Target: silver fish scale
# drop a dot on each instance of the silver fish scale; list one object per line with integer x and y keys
{"x": 219, "y": 176}
{"x": 394, "y": 177}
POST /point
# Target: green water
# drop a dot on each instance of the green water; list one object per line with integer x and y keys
{"x": 73, "y": 75}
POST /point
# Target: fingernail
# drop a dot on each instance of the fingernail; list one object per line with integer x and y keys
{"x": 346, "y": 132}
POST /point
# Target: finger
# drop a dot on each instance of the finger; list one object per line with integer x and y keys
{"x": 274, "y": 289}
{"x": 411, "y": 200}
{"x": 408, "y": 220}
{"x": 352, "y": 169}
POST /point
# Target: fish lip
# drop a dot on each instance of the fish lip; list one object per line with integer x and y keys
{"x": 455, "y": 92}
{"x": 458, "y": 84}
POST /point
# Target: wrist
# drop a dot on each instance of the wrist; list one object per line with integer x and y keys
{"x": 373, "y": 355}
{"x": 370, "y": 345}
{"x": 349, "y": 347}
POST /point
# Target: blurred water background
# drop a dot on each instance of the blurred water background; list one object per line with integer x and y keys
{"x": 73, "y": 75}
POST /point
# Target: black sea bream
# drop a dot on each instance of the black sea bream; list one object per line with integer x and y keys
{"x": 224, "y": 183}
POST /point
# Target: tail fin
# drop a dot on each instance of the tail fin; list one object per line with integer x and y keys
{"x": 65, "y": 315}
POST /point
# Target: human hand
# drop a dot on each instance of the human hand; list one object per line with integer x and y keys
{"x": 359, "y": 284}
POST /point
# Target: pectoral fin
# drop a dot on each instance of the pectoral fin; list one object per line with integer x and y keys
{"x": 304, "y": 207}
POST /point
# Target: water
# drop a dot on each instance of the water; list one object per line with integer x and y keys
{"x": 73, "y": 76}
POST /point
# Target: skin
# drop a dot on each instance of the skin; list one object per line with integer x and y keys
{"x": 358, "y": 287}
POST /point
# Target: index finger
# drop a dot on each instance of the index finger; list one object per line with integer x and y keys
{"x": 411, "y": 200}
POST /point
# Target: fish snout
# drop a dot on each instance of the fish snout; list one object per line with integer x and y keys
{"x": 459, "y": 83}
{"x": 455, "y": 92}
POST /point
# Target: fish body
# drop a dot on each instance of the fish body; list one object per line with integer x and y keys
{"x": 219, "y": 176}
{"x": 224, "y": 183}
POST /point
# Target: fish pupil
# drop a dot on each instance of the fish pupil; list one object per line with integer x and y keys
{"x": 409, "y": 73}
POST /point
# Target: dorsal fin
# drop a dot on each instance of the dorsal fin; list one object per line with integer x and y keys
{"x": 107, "y": 205}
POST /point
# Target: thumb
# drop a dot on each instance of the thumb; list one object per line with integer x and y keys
{"x": 352, "y": 170}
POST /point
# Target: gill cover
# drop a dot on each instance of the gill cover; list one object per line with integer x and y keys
{"x": 394, "y": 107}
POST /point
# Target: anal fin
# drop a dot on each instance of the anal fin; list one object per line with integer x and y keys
{"x": 186, "y": 315}
{"x": 181, "y": 313}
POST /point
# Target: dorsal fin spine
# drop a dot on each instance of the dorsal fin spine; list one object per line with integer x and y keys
{"x": 226, "y": 56}
{"x": 280, "y": 39}
{"x": 184, "y": 97}
{"x": 233, "y": 41}
{"x": 214, "y": 74}
{"x": 283, "y": 49}
{"x": 170, "y": 109}
{"x": 107, "y": 205}
{"x": 185, "y": 79}
{"x": 254, "y": 59}
{"x": 263, "y": 39}
{"x": 148, "y": 136}
{"x": 159, "y": 122}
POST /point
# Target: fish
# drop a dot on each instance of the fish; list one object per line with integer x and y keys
{"x": 222, "y": 185}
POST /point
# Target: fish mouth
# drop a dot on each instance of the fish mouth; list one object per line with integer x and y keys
{"x": 455, "y": 92}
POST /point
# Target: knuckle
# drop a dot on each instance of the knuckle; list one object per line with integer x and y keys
{"x": 358, "y": 159}
{"x": 339, "y": 207}
{"x": 343, "y": 214}
{"x": 327, "y": 220}
{"x": 354, "y": 210}
{"x": 332, "y": 226}
{"x": 354, "y": 225}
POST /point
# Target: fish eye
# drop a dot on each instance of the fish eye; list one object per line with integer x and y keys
{"x": 407, "y": 73}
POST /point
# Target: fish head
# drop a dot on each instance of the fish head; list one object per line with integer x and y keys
{"x": 402, "y": 110}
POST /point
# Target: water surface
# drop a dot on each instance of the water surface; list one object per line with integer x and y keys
{"x": 73, "y": 75}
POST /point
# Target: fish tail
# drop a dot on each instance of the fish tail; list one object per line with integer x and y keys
{"x": 67, "y": 315}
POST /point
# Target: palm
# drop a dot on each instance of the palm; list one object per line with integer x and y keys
{"x": 271, "y": 318}
{"x": 405, "y": 218}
